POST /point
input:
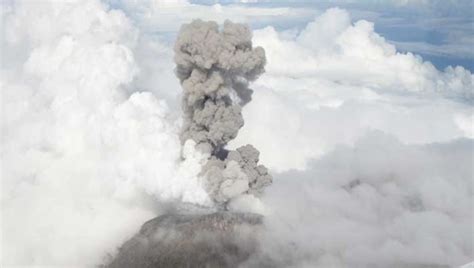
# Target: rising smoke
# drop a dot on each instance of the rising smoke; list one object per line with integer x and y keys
{"x": 215, "y": 68}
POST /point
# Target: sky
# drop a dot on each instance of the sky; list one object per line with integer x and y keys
{"x": 364, "y": 118}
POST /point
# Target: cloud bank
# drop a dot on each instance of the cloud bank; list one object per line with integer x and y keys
{"x": 84, "y": 162}
{"x": 377, "y": 203}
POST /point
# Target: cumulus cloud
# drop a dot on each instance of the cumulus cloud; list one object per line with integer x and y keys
{"x": 335, "y": 79}
{"x": 84, "y": 162}
{"x": 332, "y": 45}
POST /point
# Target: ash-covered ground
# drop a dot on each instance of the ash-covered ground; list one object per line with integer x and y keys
{"x": 220, "y": 239}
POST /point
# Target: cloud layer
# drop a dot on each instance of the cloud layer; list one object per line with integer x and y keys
{"x": 377, "y": 203}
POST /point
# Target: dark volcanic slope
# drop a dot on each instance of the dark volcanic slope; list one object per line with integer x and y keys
{"x": 221, "y": 239}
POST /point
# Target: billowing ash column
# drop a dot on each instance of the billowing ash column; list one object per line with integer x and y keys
{"x": 215, "y": 68}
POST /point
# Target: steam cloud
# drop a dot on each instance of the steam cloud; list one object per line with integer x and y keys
{"x": 215, "y": 68}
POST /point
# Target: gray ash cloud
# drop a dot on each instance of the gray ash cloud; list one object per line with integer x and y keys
{"x": 215, "y": 68}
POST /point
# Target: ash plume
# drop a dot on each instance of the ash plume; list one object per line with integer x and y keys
{"x": 215, "y": 68}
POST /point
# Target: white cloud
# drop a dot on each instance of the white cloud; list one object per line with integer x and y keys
{"x": 378, "y": 203}
{"x": 447, "y": 50}
{"x": 158, "y": 16}
{"x": 401, "y": 199}
{"x": 84, "y": 163}
{"x": 465, "y": 122}
{"x": 363, "y": 56}
{"x": 347, "y": 81}
{"x": 418, "y": 7}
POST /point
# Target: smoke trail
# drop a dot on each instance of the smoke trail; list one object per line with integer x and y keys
{"x": 215, "y": 68}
